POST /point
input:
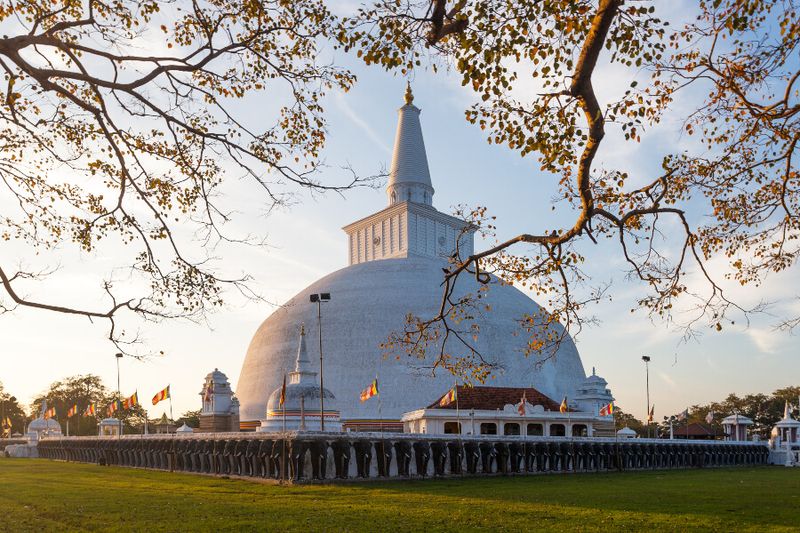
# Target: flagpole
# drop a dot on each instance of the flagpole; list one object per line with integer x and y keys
{"x": 380, "y": 414}
{"x": 687, "y": 425}
{"x": 458, "y": 415}
{"x": 170, "y": 404}
{"x": 283, "y": 450}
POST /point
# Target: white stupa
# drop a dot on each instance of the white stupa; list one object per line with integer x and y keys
{"x": 43, "y": 427}
{"x": 396, "y": 258}
{"x": 301, "y": 408}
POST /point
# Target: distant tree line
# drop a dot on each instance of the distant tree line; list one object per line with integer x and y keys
{"x": 764, "y": 409}
{"x": 81, "y": 390}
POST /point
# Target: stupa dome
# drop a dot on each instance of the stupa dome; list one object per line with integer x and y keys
{"x": 49, "y": 425}
{"x": 396, "y": 258}
{"x": 368, "y": 302}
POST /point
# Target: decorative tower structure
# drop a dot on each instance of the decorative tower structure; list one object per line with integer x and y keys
{"x": 301, "y": 407}
{"x": 590, "y": 397}
{"x": 410, "y": 225}
{"x": 785, "y": 440}
{"x": 220, "y": 410}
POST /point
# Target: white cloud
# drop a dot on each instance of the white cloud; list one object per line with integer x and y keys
{"x": 344, "y": 107}
{"x": 766, "y": 340}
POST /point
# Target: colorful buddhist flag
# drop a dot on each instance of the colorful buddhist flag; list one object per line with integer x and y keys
{"x": 72, "y": 411}
{"x": 448, "y": 398}
{"x": 90, "y": 410}
{"x": 607, "y": 410}
{"x": 131, "y": 401}
{"x": 115, "y": 405}
{"x": 50, "y": 413}
{"x": 563, "y": 408}
{"x": 370, "y": 391}
{"x": 710, "y": 417}
{"x": 283, "y": 392}
{"x": 163, "y": 395}
{"x": 521, "y": 406}
{"x": 683, "y": 415}
{"x": 652, "y": 412}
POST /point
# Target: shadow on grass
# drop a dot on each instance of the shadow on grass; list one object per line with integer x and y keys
{"x": 40, "y": 495}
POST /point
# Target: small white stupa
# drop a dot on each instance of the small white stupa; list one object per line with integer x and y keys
{"x": 301, "y": 409}
{"x": 43, "y": 427}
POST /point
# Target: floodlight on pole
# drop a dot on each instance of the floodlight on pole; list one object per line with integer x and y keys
{"x": 318, "y": 299}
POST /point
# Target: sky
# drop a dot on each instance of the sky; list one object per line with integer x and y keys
{"x": 306, "y": 242}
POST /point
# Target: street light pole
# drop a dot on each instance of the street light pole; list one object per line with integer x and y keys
{"x": 318, "y": 299}
{"x": 646, "y": 359}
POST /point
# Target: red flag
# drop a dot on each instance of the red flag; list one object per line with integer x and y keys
{"x": 448, "y": 398}
{"x": 370, "y": 391}
{"x": 131, "y": 401}
{"x": 521, "y": 406}
{"x": 162, "y": 395}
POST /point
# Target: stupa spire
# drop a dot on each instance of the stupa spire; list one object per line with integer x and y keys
{"x": 409, "y": 177}
{"x": 302, "y": 366}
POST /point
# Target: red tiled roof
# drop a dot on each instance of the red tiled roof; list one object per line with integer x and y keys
{"x": 495, "y": 398}
{"x": 696, "y": 429}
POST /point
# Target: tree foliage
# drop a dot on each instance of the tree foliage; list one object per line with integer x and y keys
{"x": 13, "y": 411}
{"x": 190, "y": 418}
{"x": 80, "y": 390}
{"x": 765, "y": 410}
{"x": 532, "y": 66}
{"x": 120, "y": 123}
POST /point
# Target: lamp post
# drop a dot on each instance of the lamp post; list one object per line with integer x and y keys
{"x": 318, "y": 299}
{"x": 118, "y": 356}
{"x": 646, "y": 359}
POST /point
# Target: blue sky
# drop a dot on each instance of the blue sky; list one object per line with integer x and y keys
{"x": 306, "y": 242}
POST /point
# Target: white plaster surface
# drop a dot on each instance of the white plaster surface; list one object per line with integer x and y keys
{"x": 368, "y": 302}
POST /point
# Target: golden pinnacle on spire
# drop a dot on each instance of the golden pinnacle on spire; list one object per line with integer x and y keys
{"x": 409, "y": 95}
{"x": 302, "y": 329}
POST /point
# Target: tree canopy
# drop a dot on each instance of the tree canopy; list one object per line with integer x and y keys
{"x": 11, "y": 410}
{"x": 533, "y": 65}
{"x": 765, "y": 410}
{"x": 119, "y": 126}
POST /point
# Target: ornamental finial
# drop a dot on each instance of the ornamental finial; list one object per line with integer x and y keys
{"x": 409, "y": 95}
{"x": 302, "y": 328}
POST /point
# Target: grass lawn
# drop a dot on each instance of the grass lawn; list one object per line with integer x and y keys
{"x": 42, "y": 495}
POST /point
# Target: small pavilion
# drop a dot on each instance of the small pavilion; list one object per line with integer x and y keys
{"x": 736, "y": 427}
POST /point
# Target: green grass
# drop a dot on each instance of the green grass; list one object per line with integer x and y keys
{"x": 38, "y": 495}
